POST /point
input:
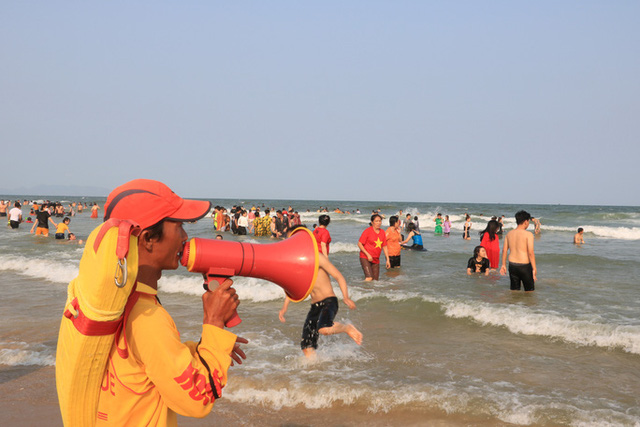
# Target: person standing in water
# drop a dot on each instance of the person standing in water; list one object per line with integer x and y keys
{"x": 489, "y": 240}
{"x": 446, "y": 226}
{"x": 467, "y": 228}
{"x": 438, "y": 221}
{"x": 536, "y": 225}
{"x": 15, "y": 216}
{"x": 372, "y": 242}
{"x": 518, "y": 244}
{"x": 393, "y": 241}
{"x": 322, "y": 235}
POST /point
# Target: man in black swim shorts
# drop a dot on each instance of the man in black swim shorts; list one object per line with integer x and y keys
{"x": 521, "y": 273}
{"x": 324, "y": 306}
{"x": 518, "y": 244}
{"x": 320, "y": 316}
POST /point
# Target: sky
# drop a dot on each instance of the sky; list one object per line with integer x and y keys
{"x": 427, "y": 101}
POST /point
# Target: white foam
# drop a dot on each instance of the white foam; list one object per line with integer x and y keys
{"x": 335, "y": 247}
{"x": 173, "y": 284}
{"x": 54, "y": 270}
{"x": 248, "y": 288}
{"x": 477, "y": 398}
{"x": 622, "y": 233}
{"x": 19, "y": 354}
{"x": 520, "y": 320}
{"x": 292, "y": 395}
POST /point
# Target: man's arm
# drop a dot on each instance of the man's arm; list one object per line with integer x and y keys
{"x": 283, "y": 310}
{"x": 532, "y": 255}
{"x": 332, "y": 271}
{"x": 324, "y": 249}
{"x": 505, "y": 249}
{"x": 411, "y": 233}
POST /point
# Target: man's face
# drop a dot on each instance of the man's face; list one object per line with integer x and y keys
{"x": 168, "y": 250}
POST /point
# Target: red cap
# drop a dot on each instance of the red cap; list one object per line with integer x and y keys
{"x": 147, "y": 202}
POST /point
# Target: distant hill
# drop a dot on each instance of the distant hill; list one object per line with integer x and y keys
{"x": 57, "y": 190}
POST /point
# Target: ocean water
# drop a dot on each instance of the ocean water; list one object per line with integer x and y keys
{"x": 435, "y": 339}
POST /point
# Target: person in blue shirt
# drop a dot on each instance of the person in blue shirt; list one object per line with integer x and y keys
{"x": 414, "y": 235}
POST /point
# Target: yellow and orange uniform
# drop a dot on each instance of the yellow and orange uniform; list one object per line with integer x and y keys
{"x": 161, "y": 376}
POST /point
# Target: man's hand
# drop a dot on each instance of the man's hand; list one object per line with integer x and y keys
{"x": 349, "y": 303}
{"x": 281, "y": 315}
{"x": 220, "y": 304}
{"x": 237, "y": 354}
{"x": 503, "y": 270}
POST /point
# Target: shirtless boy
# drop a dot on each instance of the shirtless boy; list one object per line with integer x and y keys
{"x": 522, "y": 260}
{"x": 577, "y": 238}
{"x": 324, "y": 306}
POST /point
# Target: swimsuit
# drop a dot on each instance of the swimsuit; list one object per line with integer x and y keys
{"x": 465, "y": 235}
{"x": 417, "y": 242}
{"x": 478, "y": 267}
{"x": 394, "y": 261}
{"x": 438, "y": 229}
{"x": 321, "y": 315}
{"x": 521, "y": 273}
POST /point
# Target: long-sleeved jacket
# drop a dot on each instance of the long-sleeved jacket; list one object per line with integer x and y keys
{"x": 162, "y": 376}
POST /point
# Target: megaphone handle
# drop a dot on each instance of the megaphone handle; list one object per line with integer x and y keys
{"x": 235, "y": 319}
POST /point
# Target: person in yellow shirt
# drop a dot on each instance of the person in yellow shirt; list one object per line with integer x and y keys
{"x": 62, "y": 227}
{"x": 151, "y": 375}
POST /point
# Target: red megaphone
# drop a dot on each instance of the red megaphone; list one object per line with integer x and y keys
{"x": 291, "y": 264}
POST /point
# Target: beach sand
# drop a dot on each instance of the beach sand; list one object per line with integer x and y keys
{"x": 28, "y": 398}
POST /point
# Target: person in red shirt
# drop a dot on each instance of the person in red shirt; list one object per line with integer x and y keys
{"x": 322, "y": 235}
{"x": 373, "y": 241}
{"x": 489, "y": 240}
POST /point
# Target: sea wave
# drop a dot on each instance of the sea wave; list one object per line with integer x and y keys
{"x": 343, "y": 247}
{"x": 622, "y": 233}
{"x": 52, "y": 269}
{"x": 478, "y": 399}
{"x": 520, "y": 320}
{"x": 21, "y": 354}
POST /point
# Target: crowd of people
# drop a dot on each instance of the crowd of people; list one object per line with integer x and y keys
{"x": 41, "y": 214}
{"x": 242, "y": 221}
{"x": 403, "y": 233}
{"x": 208, "y": 361}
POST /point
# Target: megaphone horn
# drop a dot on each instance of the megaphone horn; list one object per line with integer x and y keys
{"x": 291, "y": 264}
